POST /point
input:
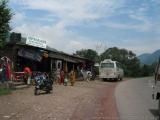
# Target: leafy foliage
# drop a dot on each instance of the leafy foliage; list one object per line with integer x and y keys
{"x": 127, "y": 58}
{"x": 148, "y": 70}
{"x": 5, "y": 17}
{"x": 89, "y": 54}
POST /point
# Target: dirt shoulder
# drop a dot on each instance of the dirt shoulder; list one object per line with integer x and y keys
{"x": 84, "y": 101}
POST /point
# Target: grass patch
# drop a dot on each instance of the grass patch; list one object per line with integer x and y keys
{"x": 5, "y": 91}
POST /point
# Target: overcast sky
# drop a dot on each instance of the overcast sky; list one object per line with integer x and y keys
{"x": 70, "y": 25}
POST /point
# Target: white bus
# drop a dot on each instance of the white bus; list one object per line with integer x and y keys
{"x": 110, "y": 70}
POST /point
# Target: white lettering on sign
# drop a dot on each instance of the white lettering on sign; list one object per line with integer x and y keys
{"x": 36, "y": 42}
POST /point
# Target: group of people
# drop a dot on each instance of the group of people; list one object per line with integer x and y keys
{"x": 63, "y": 77}
{"x": 6, "y": 71}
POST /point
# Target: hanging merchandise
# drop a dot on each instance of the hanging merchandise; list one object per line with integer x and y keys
{"x": 6, "y": 69}
{"x": 30, "y": 54}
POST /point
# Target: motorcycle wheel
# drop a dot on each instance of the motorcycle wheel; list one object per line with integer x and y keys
{"x": 35, "y": 91}
{"x": 47, "y": 91}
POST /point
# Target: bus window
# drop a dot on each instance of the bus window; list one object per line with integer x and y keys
{"x": 107, "y": 65}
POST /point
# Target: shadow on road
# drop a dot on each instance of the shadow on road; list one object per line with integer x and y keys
{"x": 43, "y": 93}
{"x": 106, "y": 80}
{"x": 155, "y": 113}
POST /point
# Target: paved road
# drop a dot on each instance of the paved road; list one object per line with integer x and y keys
{"x": 134, "y": 100}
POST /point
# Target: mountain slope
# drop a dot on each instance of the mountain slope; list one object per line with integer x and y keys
{"x": 149, "y": 58}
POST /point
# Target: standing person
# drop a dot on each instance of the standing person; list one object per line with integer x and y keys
{"x": 72, "y": 77}
{"x": 58, "y": 78}
{"x": 28, "y": 74}
{"x": 84, "y": 74}
{"x": 62, "y": 75}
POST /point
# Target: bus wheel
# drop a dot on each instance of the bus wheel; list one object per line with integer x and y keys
{"x": 121, "y": 79}
{"x": 118, "y": 78}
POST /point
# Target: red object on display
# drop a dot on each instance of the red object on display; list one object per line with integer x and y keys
{"x": 18, "y": 76}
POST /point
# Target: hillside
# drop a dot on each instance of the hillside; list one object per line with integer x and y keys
{"x": 149, "y": 58}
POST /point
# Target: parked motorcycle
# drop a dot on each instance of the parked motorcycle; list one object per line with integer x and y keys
{"x": 42, "y": 82}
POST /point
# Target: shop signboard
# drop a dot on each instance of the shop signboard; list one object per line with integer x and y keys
{"x": 36, "y": 42}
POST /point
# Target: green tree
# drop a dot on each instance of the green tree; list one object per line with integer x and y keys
{"x": 152, "y": 68}
{"x": 148, "y": 70}
{"x": 145, "y": 70}
{"x": 89, "y": 54}
{"x": 5, "y": 17}
{"x": 127, "y": 58}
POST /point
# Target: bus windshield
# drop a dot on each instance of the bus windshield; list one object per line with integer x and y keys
{"x": 107, "y": 65}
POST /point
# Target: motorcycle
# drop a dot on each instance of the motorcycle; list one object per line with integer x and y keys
{"x": 42, "y": 82}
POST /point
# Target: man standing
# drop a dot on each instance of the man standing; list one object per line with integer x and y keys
{"x": 28, "y": 74}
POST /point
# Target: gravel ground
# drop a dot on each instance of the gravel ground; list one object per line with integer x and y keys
{"x": 92, "y": 100}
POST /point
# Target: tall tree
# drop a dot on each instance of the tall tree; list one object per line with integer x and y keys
{"x": 5, "y": 17}
{"x": 127, "y": 58}
{"x": 145, "y": 70}
{"x": 89, "y": 54}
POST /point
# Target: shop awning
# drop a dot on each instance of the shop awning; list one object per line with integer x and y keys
{"x": 62, "y": 57}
